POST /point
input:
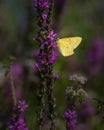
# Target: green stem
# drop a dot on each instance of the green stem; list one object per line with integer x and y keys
{"x": 51, "y": 99}
{"x": 12, "y": 89}
{"x": 50, "y": 13}
{"x": 41, "y": 98}
{"x": 52, "y": 10}
{"x": 51, "y": 103}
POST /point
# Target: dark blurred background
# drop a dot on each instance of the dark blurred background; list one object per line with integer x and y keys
{"x": 18, "y": 27}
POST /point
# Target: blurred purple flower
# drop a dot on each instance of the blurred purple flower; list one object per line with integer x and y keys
{"x": 96, "y": 52}
{"x": 7, "y": 92}
{"x": 19, "y": 125}
{"x": 16, "y": 69}
{"x": 17, "y": 73}
{"x": 70, "y": 114}
{"x": 78, "y": 78}
{"x": 72, "y": 124}
{"x": 22, "y": 106}
{"x": 95, "y": 55}
{"x": 71, "y": 117}
{"x": 56, "y": 76}
{"x": 36, "y": 66}
{"x": 86, "y": 109}
{"x": 35, "y": 52}
{"x": 84, "y": 126}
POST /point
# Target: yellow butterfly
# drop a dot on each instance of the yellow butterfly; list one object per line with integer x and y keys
{"x": 67, "y": 45}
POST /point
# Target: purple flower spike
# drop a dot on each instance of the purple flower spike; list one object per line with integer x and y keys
{"x": 46, "y": 58}
{"x": 17, "y": 125}
{"x": 17, "y": 122}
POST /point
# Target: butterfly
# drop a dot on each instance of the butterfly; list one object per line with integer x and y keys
{"x": 66, "y": 46}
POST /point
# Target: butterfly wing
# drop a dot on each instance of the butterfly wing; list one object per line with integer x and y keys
{"x": 74, "y": 41}
{"x": 64, "y": 47}
{"x": 67, "y": 45}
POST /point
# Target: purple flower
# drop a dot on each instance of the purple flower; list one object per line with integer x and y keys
{"x": 78, "y": 78}
{"x": 35, "y": 52}
{"x": 44, "y": 43}
{"x": 42, "y": 3}
{"x": 17, "y": 73}
{"x": 20, "y": 123}
{"x": 54, "y": 44}
{"x": 7, "y": 90}
{"x": 52, "y": 36}
{"x": 95, "y": 55}
{"x": 56, "y": 76}
{"x": 36, "y": 37}
{"x": 96, "y": 51}
{"x": 52, "y": 58}
{"x": 22, "y": 106}
{"x": 44, "y": 16}
{"x": 71, "y": 116}
{"x": 72, "y": 124}
{"x": 42, "y": 62}
{"x": 16, "y": 69}
{"x": 86, "y": 109}
{"x": 36, "y": 66}
{"x": 17, "y": 122}
{"x": 42, "y": 55}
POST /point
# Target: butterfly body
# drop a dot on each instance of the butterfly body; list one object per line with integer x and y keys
{"x": 67, "y": 45}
